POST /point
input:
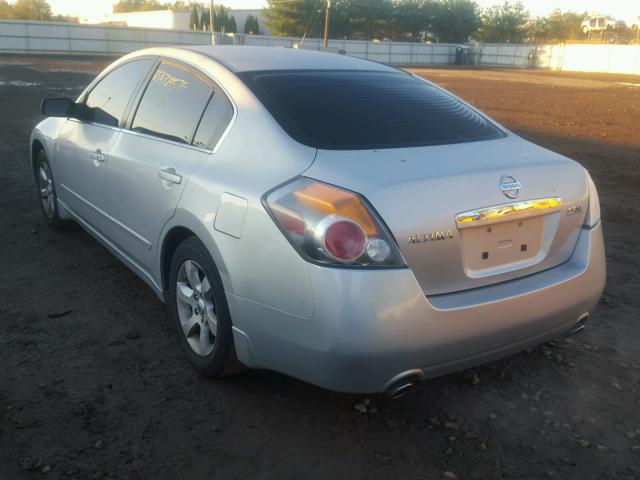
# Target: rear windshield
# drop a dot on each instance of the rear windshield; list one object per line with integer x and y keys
{"x": 365, "y": 110}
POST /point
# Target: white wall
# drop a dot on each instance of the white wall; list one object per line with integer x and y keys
{"x": 158, "y": 19}
{"x": 595, "y": 58}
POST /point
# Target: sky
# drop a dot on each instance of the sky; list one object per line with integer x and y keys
{"x": 620, "y": 9}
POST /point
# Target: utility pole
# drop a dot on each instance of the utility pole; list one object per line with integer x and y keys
{"x": 327, "y": 14}
{"x": 211, "y": 26}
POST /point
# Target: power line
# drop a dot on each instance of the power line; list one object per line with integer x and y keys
{"x": 312, "y": 22}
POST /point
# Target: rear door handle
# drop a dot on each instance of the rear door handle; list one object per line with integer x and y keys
{"x": 170, "y": 175}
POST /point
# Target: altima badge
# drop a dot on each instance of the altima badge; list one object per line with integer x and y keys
{"x": 510, "y": 186}
{"x": 429, "y": 237}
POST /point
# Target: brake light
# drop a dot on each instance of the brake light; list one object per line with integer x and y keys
{"x": 343, "y": 239}
{"x": 331, "y": 225}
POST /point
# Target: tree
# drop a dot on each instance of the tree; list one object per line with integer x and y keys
{"x": 221, "y": 18}
{"x": 205, "y": 19}
{"x": 289, "y": 19}
{"x": 557, "y": 27}
{"x": 6, "y": 10}
{"x": 455, "y": 20}
{"x": 503, "y": 23}
{"x": 124, "y": 6}
{"x": 194, "y": 20}
{"x": 31, "y": 10}
{"x": 411, "y": 18}
{"x": 251, "y": 25}
{"x": 372, "y": 20}
{"x": 233, "y": 27}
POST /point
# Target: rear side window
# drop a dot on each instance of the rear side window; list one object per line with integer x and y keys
{"x": 214, "y": 121}
{"x": 109, "y": 98}
{"x": 365, "y": 109}
{"x": 173, "y": 103}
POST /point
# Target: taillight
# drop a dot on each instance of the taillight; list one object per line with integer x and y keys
{"x": 593, "y": 212}
{"x": 331, "y": 225}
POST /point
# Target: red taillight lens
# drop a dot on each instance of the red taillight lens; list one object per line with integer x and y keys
{"x": 344, "y": 240}
{"x": 330, "y": 225}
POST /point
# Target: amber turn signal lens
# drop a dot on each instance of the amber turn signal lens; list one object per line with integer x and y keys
{"x": 332, "y": 201}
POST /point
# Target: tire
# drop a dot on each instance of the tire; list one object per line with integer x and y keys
{"x": 195, "y": 308}
{"x": 47, "y": 196}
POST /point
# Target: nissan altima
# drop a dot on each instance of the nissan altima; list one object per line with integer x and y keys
{"x": 338, "y": 220}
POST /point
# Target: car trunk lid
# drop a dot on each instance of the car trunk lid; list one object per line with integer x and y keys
{"x": 471, "y": 214}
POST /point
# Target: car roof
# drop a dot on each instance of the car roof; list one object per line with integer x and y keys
{"x": 248, "y": 58}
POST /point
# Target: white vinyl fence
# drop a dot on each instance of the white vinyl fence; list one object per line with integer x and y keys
{"x": 67, "y": 38}
{"x": 590, "y": 58}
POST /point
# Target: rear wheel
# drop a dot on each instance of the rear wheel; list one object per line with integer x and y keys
{"x": 200, "y": 310}
{"x": 47, "y": 196}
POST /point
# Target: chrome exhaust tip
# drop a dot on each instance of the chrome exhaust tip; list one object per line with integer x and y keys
{"x": 400, "y": 390}
{"x": 402, "y": 383}
{"x": 579, "y": 325}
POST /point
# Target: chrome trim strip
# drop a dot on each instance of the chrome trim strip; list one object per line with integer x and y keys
{"x": 164, "y": 140}
{"x": 508, "y": 211}
{"x": 85, "y": 201}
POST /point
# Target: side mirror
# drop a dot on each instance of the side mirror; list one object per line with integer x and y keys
{"x": 57, "y": 107}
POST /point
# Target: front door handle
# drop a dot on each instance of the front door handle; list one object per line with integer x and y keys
{"x": 170, "y": 175}
{"x": 97, "y": 156}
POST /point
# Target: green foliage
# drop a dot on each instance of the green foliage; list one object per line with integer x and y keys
{"x": 455, "y": 20}
{"x": 411, "y": 18}
{"x": 124, "y": 6}
{"x": 289, "y": 19}
{"x": 233, "y": 27}
{"x": 194, "y": 20}
{"x": 448, "y": 20}
{"x": 251, "y": 25}
{"x": 503, "y": 23}
{"x": 6, "y": 10}
{"x": 205, "y": 19}
{"x": 557, "y": 27}
{"x": 27, "y": 10}
{"x": 220, "y": 18}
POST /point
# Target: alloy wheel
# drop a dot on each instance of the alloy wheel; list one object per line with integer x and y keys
{"x": 196, "y": 307}
{"x": 47, "y": 191}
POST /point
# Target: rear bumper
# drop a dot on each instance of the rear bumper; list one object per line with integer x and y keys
{"x": 369, "y": 327}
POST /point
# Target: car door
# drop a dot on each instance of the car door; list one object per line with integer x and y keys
{"x": 179, "y": 118}
{"x": 84, "y": 144}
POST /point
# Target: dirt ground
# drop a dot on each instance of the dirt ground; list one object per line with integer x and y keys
{"x": 93, "y": 384}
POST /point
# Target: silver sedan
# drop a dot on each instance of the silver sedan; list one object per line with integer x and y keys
{"x": 334, "y": 219}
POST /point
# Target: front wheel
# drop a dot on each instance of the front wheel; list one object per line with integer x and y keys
{"x": 47, "y": 193}
{"x": 200, "y": 310}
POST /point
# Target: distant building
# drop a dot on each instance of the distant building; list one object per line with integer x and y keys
{"x": 241, "y": 17}
{"x": 166, "y": 19}
{"x": 171, "y": 20}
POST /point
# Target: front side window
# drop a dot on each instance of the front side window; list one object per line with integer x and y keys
{"x": 109, "y": 98}
{"x": 173, "y": 103}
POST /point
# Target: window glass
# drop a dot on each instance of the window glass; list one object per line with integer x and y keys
{"x": 109, "y": 98}
{"x": 214, "y": 121}
{"x": 366, "y": 109}
{"x": 172, "y": 103}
